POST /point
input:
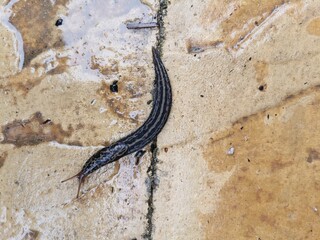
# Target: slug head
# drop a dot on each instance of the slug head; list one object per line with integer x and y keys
{"x": 99, "y": 159}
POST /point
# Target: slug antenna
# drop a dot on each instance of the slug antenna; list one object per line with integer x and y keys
{"x": 80, "y": 178}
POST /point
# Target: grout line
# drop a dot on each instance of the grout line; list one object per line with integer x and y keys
{"x": 152, "y": 181}
{"x": 151, "y": 187}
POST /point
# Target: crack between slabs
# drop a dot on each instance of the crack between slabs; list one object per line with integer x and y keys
{"x": 152, "y": 180}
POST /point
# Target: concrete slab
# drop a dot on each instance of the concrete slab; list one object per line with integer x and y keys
{"x": 237, "y": 158}
{"x": 59, "y": 59}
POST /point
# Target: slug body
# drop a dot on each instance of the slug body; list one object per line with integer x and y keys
{"x": 162, "y": 101}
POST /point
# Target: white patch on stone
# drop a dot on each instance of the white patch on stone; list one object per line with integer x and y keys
{"x": 5, "y": 14}
{"x": 134, "y": 114}
{"x": 230, "y": 151}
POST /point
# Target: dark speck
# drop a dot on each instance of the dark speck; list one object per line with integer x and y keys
{"x": 261, "y": 88}
{"x": 59, "y": 22}
{"x": 149, "y": 102}
{"x": 201, "y": 96}
{"x": 114, "y": 86}
{"x": 47, "y": 121}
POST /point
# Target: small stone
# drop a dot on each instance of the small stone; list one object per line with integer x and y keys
{"x": 59, "y": 22}
{"x": 114, "y": 86}
{"x": 230, "y": 151}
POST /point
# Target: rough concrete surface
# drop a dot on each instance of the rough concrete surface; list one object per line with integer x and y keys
{"x": 238, "y": 158}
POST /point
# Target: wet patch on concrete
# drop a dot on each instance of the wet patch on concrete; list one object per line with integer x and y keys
{"x": 35, "y": 20}
{"x": 274, "y": 186}
{"x": 34, "y": 131}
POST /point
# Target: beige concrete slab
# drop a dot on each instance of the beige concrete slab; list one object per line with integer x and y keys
{"x": 57, "y": 109}
{"x": 237, "y": 157}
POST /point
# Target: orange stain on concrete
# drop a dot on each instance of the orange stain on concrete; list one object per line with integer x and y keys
{"x": 237, "y": 19}
{"x": 274, "y": 190}
{"x": 313, "y": 27}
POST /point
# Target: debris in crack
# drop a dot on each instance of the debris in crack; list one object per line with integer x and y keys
{"x": 152, "y": 183}
{"x": 162, "y": 12}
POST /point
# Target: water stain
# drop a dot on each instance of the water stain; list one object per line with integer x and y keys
{"x": 274, "y": 188}
{"x": 3, "y": 158}
{"x": 35, "y": 20}
{"x": 22, "y": 82}
{"x": 31, "y": 76}
{"x": 236, "y": 20}
{"x": 313, "y": 27}
{"x": 33, "y": 131}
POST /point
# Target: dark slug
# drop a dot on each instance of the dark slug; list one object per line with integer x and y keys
{"x": 162, "y": 101}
